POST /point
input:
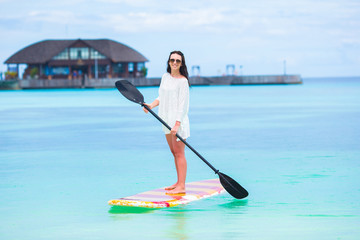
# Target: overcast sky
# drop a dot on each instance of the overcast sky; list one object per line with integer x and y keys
{"x": 317, "y": 38}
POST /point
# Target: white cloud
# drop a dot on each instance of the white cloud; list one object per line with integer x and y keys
{"x": 182, "y": 21}
{"x": 304, "y": 32}
{"x": 133, "y": 3}
{"x": 51, "y": 17}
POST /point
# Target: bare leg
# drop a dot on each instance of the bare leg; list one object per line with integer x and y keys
{"x": 169, "y": 141}
{"x": 178, "y": 151}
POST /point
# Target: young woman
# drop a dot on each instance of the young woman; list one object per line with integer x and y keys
{"x": 173, "y": 102}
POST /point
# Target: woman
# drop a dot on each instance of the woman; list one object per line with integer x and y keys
{"x": 173, "y": 102}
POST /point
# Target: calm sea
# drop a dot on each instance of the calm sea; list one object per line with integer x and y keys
{"x": 295, "y": 148}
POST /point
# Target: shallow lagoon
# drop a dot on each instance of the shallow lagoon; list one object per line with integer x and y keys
{"x": 295, "y": 148}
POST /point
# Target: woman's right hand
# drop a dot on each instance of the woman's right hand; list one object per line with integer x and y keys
{"x": 151, "y": 106}
{"x": 145, "y": 110}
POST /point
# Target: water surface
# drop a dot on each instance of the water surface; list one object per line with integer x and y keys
{"x": 295, "y": 148}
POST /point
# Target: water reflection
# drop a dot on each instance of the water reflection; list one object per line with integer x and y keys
{"x": 178, "y": 229}
{"x": 236, "y": 203}
{"x": 176, "y": 226}
{"x": 180, "y": 222}
{"x": 182, "y": 217}
{"x": 130, "y": 210}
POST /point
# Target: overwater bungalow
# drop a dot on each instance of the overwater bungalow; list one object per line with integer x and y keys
{"x": 78, "y": 59}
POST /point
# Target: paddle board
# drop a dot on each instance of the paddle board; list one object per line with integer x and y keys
{"x": 159, "y": 199}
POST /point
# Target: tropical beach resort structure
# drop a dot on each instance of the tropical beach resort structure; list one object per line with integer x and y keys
{"x": 78, "y": 59}
{"x": 99, "y": 63}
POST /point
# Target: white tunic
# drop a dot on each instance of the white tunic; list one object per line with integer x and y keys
{"x": 174, "y": 103}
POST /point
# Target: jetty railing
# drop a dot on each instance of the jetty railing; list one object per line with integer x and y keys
{"x": 200, "y": 80}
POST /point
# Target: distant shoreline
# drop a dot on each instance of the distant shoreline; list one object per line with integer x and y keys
{"x": 110, "y": 82}
{"x": 332, "y": 78}
{"x": 143, "y": 82}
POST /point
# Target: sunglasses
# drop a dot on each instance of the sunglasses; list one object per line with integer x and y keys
{"x": 175, "y": 60}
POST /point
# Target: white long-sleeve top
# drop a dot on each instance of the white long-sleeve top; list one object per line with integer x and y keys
{"x": 174, "y": 103}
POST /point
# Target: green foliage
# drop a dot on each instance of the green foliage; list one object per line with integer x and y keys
{"x": 33, "y": 72}
{"x": 144, "y": 71}
{"x": 11, "y": 75}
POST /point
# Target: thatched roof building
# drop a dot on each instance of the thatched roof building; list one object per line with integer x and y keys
{"x": 75, "y": 58}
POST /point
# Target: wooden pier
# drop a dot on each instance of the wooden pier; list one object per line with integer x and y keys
{"x": 110, "y": 82}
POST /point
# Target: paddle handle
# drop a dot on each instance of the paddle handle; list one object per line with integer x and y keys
{"x": 181, "y": 139}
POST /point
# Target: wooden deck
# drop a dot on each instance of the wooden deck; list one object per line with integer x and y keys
{"x": 110, "y": 83}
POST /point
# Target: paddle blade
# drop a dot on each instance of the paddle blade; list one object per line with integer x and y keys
{"x": 232, "y": 187}
{"x": 129, "y": 91}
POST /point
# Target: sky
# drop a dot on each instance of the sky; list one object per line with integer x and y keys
{"x": 313, "y": 38}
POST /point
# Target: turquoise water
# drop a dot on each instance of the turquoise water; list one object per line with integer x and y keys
{"x": 295, "y": 148}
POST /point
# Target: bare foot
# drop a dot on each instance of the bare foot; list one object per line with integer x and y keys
{"x": 177, "y": 191}
{"x": 171, "y": 187}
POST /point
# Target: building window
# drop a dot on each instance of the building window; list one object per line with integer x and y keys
{"x": 79, "y": 53}
{"x": 64, "y": 55}
{"x": 59, "y": 71}
{"x": 131, "y": 67}
{"x": 140, "y": 66}
{"x": 118, "y": 68}
{"x": 95, "y": 54}
{"x": 102, "y": 69}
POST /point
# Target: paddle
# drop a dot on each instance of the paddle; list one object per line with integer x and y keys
{"x": 132, "y": 93}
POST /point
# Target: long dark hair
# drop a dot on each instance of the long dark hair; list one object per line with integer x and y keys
{"x": 183, "y": 68}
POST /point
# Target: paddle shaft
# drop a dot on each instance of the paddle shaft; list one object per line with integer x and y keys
{"x": 130, "y": 92}
{"x": 181, "y": 139}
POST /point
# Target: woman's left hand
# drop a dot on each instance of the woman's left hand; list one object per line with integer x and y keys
{"x": 175, "y": 128}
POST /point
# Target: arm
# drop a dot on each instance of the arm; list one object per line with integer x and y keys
{"x": 183, "y": 99}
{"x": 155, "y": 103}
{"x": 182, "y": 106}
{"x": 175, "y": 128}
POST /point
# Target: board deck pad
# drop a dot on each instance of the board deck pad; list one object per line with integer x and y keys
{"x": 159, "y": 199}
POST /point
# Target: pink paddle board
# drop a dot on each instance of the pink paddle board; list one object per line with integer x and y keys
{"x": 159, "y": 199}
